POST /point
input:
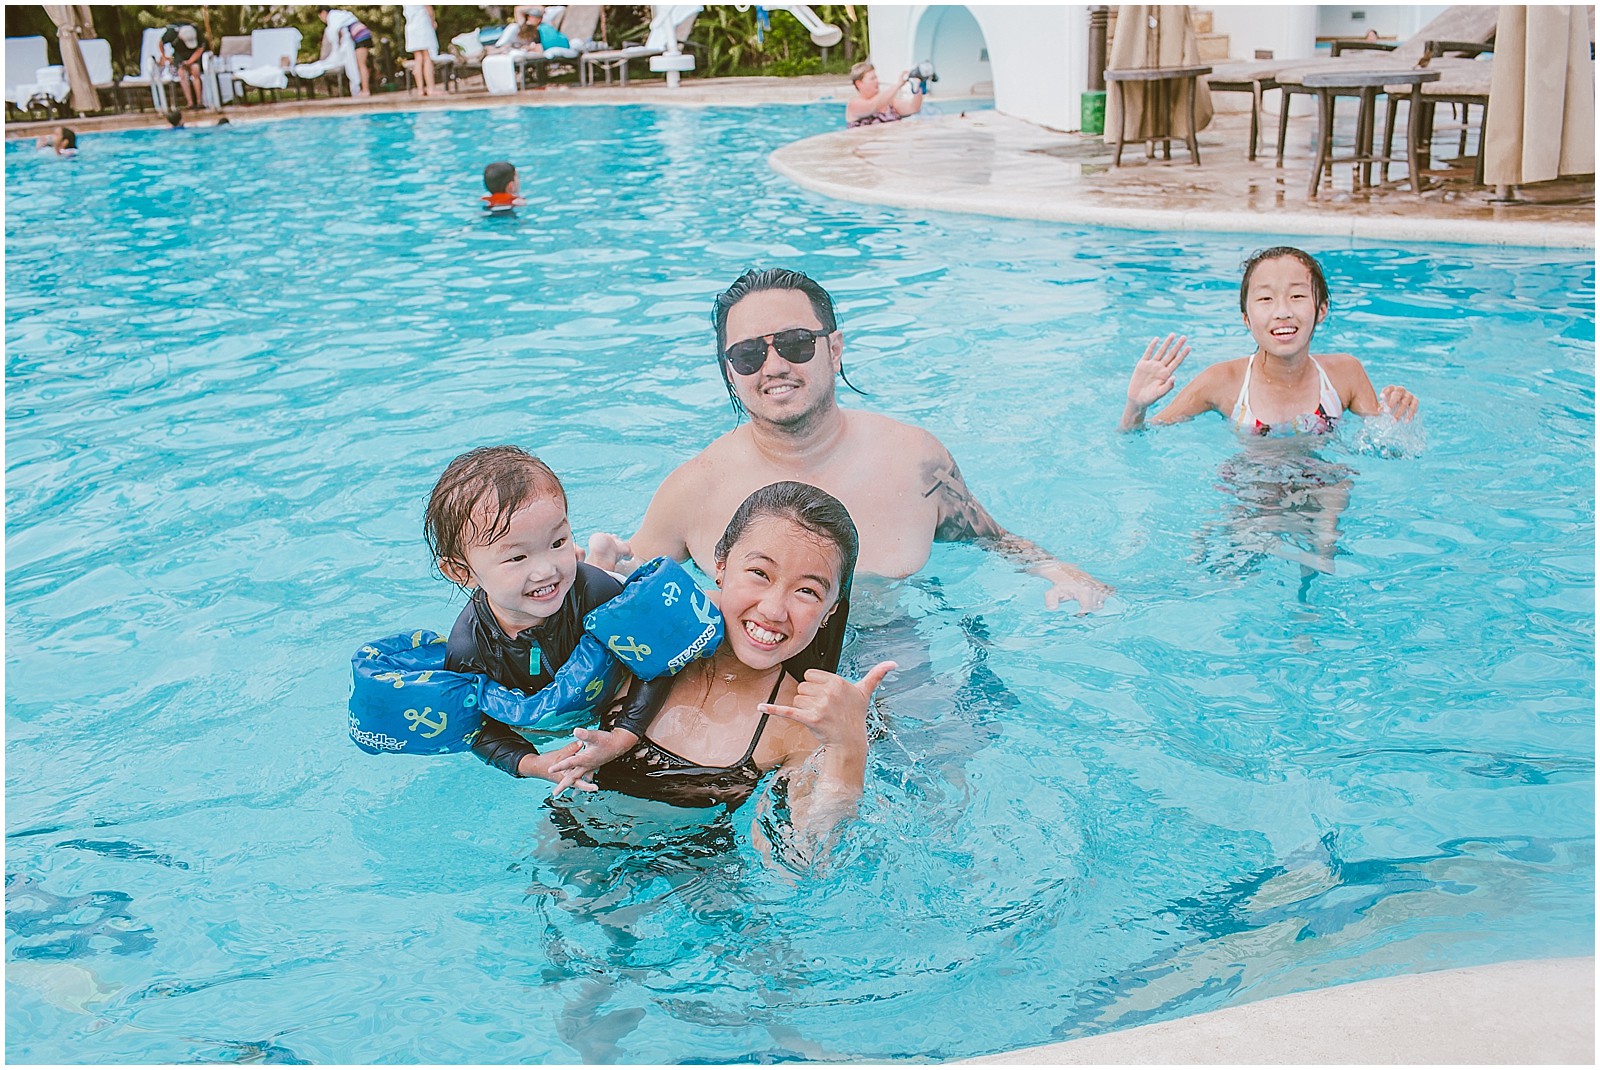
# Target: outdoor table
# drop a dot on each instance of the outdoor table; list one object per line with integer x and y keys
{"x": 1163, "y": 82}
{"x": 1366, "y": 85}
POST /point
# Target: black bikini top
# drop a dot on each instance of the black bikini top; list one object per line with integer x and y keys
{"x": 650, "y": 771}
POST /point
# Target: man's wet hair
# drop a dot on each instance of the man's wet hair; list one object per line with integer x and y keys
{"x": 758, "y": 280}
{"x": 472, "y": 503}
{"x": 498, "y": 175}
{"x": 1319, "y": 285}
{"x": 68, "y": 138}
{"x": 174, "y": 118}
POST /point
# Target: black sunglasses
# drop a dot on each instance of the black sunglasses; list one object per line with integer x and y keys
{"x": 796, "y": 345}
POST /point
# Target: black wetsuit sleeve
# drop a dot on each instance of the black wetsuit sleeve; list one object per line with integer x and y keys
{"x": 500, "y": 746}
{"x": 497, "y": 744}
{"x": 644, "y": 701}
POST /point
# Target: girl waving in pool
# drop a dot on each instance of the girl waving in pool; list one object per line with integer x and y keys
{"x": 1280, "y": 388}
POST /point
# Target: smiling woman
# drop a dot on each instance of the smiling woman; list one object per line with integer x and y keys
{"x": 783, "y": 569}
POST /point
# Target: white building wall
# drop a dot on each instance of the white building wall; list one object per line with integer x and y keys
{"x": 1038, "y": 54}
{"x": 1396, "y": 21}
{"x": 1288, "y": 31}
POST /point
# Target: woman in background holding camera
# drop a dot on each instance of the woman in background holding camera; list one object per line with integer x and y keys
{"x": 875, "y": 104}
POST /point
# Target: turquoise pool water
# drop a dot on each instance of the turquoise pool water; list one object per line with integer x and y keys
{"x": 236, "y": 360}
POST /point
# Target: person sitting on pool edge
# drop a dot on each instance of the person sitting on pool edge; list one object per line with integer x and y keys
{"x": 898, "y": 481}
{"x": 500, "y": 179}
{"x": 875, "y": 104}
{"x": 497, "y": 526}
{"x": 1280, "y": 388}
{"x": 63, "y": 142}
{"x": 769, "y": 697}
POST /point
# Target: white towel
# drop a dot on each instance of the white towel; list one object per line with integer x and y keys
{"x": 264, "y": 77}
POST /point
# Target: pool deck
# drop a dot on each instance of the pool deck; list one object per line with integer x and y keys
{"x": 987, "y": 163}
{"x": 1511, "y": 1013}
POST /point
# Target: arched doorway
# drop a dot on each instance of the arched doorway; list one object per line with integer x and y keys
{"x": 952, "y": 38}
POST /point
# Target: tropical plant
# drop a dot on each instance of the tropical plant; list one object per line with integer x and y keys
{"x": 725, "y": 39}
{"x": 733, "y": 41}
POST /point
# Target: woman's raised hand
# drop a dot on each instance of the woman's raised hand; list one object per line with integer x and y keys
{"x": 1153, "y": 375}
{"x": 832, "y": 707}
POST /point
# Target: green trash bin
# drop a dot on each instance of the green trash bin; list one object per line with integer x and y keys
{"x": 1093, "y": 106}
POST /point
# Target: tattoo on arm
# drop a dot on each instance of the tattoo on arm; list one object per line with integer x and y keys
{"x": 962, "y": 518}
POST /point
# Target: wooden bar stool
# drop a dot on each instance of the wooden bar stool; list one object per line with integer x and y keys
{"x": 1162, "y": 83}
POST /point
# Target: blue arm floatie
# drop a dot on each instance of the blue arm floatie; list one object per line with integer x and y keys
{"x": 404, "y": 701}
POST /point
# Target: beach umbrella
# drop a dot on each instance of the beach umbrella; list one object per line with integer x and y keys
{"x": 1541, "y": 96}
{"x": 73, "y": 22}
{"x": 1155, "y": 35}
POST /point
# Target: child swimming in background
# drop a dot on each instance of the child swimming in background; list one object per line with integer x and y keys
{"x": 500, "y": 179}
{"x": 1280, "y": 388}
{"x": 63, "y": 141}
{"x": 497, "y": 526}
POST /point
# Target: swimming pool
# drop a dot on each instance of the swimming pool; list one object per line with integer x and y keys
{"x": 236, "y": 361}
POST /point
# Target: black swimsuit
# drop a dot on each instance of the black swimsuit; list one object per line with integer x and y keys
{"x": 650, "y": 771}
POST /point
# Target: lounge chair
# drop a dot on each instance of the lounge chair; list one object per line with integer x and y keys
{"x": 466, "y": 53}
{"x": 669, "y": 21}
{"x": 153, "y": 75}
{"x": 233, "y": 55}
{"x": 1463, "y": 83}
{"x": 97, "y": 59}
{"x": 24, "y": 57}
{"x": 577, "y": 24}
{"x": 1464, "y": 23}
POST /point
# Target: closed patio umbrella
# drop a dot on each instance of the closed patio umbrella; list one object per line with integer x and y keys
{"x": 1155, "y": 35}
{"x": 1541, "y": 96}
{"x": 73, "y": 22}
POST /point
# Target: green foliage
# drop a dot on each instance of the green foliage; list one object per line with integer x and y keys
{"x": 724, "y": 39}
{"x": 727, "y": 42}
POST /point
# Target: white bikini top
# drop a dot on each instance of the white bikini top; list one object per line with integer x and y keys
{"x": 1329, "y": 408}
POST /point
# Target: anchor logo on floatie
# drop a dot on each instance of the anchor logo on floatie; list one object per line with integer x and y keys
{"x": 632, "y": 650}
{"x": 420, "y": 720}
{"x": 700, "y": 602}
{"x": 669, "y": 594}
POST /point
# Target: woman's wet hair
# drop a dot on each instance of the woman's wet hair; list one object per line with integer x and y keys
{"x": 824, "y": 516}
{"x": 758, "y": 281}
{"x": 1319, "y": 285}
{"x": 498, "y": 478}
{"x": 68, "y": 139}
{"x": 815, "y": 510}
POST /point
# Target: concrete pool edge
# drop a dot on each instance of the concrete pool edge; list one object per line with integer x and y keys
{"x": 1522, "y": 1012}
{"x": 832, "y": 164}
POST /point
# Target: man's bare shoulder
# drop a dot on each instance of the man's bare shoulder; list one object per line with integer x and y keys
{"x": 709, "y": 465}
{"x": 877, "y": 428}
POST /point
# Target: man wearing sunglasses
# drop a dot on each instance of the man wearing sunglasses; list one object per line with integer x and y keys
{"x": 779, "y": 350}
